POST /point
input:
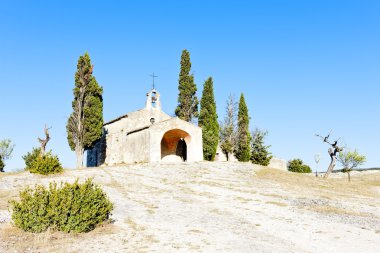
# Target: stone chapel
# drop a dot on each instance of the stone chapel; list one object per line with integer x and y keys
{"x": 146, "y": 136}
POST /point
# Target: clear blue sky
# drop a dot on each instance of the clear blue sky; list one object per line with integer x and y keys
{"x": 305, "y": 67}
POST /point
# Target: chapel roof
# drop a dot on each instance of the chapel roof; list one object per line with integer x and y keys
{"x": 117, "y": 119}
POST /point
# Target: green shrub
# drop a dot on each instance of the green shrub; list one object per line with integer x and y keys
{"x": 69, "y": 208}
{"x": 31, "y": 213}
{"x": 46, "y": 164}
{"x": 296, "y": 165}
{"x": 30, "y": 157}
{"x": 80, "y": 207}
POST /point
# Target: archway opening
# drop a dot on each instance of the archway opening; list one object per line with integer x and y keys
{"x": 174, "y": 145}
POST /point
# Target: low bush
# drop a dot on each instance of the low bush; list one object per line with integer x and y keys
{"x": 296, "y": 165}
{"x": 46, "y": 164}
{"x": 30, "y": 157}
{"x": 70, "y": 208}
{"x": 31, "y": 213}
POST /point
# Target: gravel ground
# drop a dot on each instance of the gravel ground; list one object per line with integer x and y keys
{"x": 211, "y": 207}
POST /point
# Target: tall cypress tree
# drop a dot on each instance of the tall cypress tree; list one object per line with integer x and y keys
{"x": 243, "y": 152}
{"x": 187, "y": 100}
{"x": 208, "y": 120}
{"x": 84, "y": 126}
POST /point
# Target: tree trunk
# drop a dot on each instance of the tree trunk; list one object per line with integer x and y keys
{"x": 79, "y": 151}
{"x": 44, "y": 141}
{"x": 349, "y": 176}
{"x": 331, "y": 167}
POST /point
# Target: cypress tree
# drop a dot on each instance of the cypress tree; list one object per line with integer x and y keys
{"x": 243, "y": 152}
{"x": 84, "y": 126}
{"x": 2, "y": 165}
{"x": 260, "y": 154}
{"x": 187, "y": 100}
{"x": 208, "y": 120}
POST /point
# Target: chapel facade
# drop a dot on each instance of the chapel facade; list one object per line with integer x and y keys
{"x": 146, "y": 136}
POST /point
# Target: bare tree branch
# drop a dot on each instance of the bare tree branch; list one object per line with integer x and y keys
{"x": 44, "y": 141}
{"x": 332, "y": 152}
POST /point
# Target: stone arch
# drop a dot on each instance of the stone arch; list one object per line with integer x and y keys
{"x": 174, "y": 145}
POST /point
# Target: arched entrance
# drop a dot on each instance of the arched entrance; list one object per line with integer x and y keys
{"x": 174, "y": 145}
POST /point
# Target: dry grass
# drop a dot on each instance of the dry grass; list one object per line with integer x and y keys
{"x": 50, "y": 241}
{"x": 133, "y": 225}
{"x": 194, "y": 231}
{"x": 327, "y": 209}
{"x": 243, "y": 200}
{"x": 220, "y": 212}
{"x": 5, "y": 196}
{"x": 184, "y": 200}
{"x": 281, "y": 204}
{"x": 307, "y": 184}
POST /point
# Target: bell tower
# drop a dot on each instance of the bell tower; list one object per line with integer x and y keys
{"x": 153, "y": 100}
{"x": 153, "y": 97}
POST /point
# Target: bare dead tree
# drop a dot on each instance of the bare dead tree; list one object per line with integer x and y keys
{"x": 228, "y": 128}
{"x": 44, "y": 141}
{"x": 332, "y": 152}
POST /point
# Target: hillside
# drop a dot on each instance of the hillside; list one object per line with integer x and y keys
{"x": 212, "y": 207}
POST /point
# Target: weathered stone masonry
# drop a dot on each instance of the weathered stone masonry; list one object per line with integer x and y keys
{"x": 147, "y": 135}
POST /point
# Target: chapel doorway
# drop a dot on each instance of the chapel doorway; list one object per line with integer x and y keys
{"x": 174, "y": 146}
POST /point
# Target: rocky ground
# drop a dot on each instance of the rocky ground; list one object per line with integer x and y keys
{"x": 212, "y": 207}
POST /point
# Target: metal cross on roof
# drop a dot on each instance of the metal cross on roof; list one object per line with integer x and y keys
{"x": 153, "y": 76}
